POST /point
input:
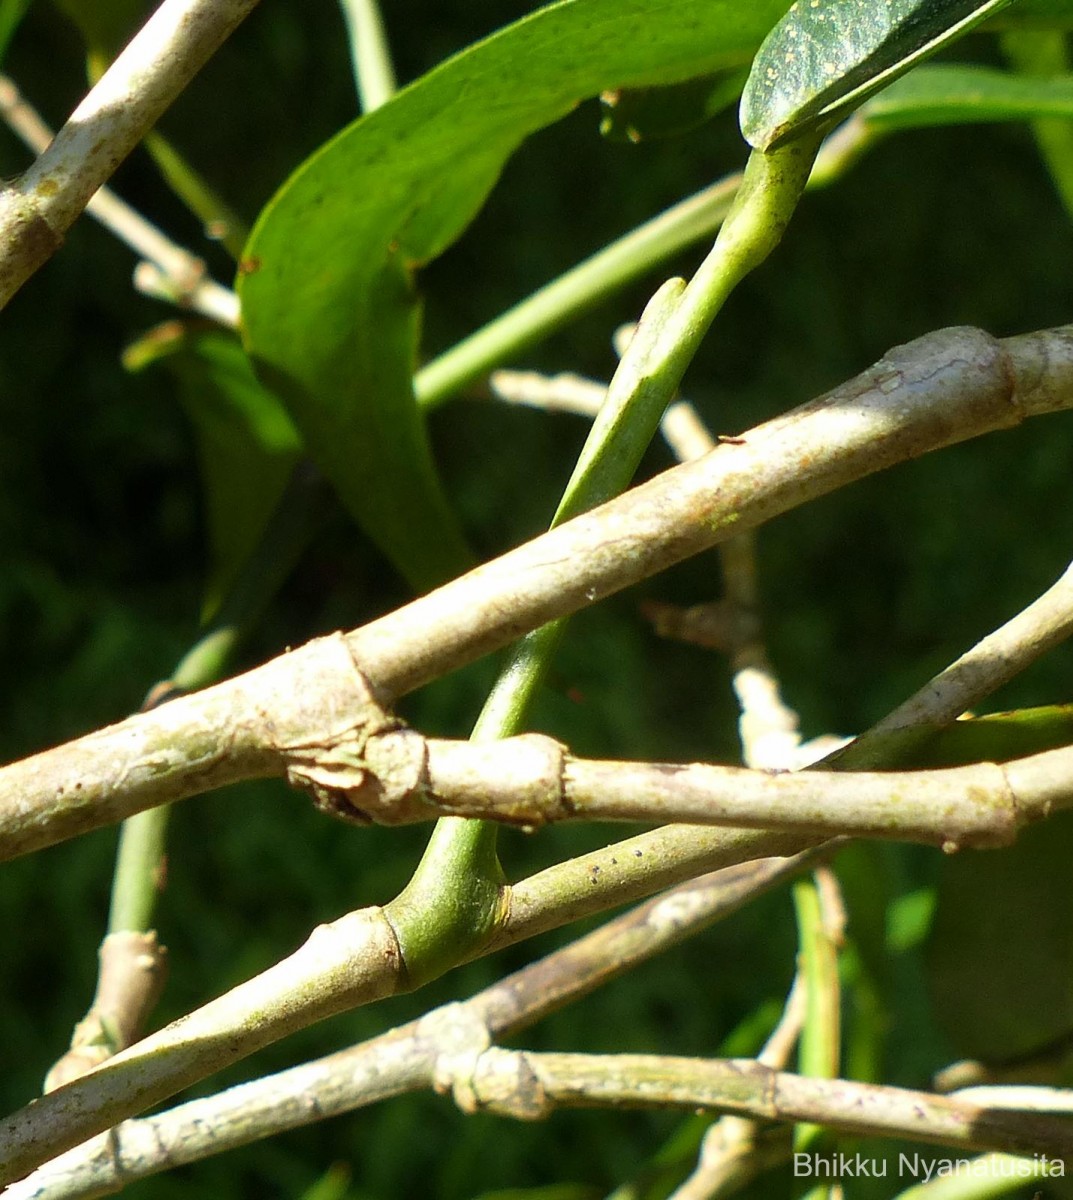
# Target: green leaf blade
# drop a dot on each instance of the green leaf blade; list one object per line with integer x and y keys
{"x": 827, "y": 56}
{"x": 329, "y": 310}
{"x": 968, "y": 94}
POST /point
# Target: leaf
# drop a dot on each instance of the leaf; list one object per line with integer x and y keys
{"x": 247, "y": 444}
{"x": 330, "y": 311}
{"x": 825, "y": 57}
{"x": 966, "y": 94}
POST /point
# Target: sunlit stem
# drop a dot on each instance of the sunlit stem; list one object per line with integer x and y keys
{"x": 374, "y": 75}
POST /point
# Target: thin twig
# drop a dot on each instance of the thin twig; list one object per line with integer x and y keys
{"x": 993, "y": 661}
{"x": 404, "y": 1059}
{"x": 370, "y": 54}
{"x": 38, "y": 208}
{"x": 531, "y": 780}
{"x": 170, "y": 272}
{"x": 525, "y": 1085}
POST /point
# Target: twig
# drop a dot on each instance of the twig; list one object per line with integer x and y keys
{"x": 406, "y": 1058}
{"x": 993, "y": 661}
{"x": 936, "y": 391}
{"x": 38, "y": 208}
{"x": 369, "y": 52}
{"x": 394, "y": 776}
{"x": 528, "y": 1086}
{"x": 531, "y": 780}
{"x": 349, "y": 962}
{"x": 266, "y": 1008}
{"x": 629, "y": 870}
{"x": 171, "y": 273}
{"x": 205, "y": 295}
{"x": 972, "y": 805}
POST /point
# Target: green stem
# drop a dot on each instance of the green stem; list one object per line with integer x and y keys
{"x": 820, "y": 1046}
{"x": 454, "y": 900}
{"x": 136, "y": 882}
{"x": 452, "y": 903}
{"x": 575, "y": 292}
{"x": 373, "y": 73}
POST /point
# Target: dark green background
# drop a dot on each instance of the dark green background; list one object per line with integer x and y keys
{"x": 866, "y": 593}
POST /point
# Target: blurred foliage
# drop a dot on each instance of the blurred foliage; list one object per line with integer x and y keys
{"x": 103, "y": 560}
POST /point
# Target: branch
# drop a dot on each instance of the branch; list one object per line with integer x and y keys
{"x": 244, "y": 729}
{"x": 993, "y": 661}
{"x": 39, "y": 207}
{"x": 531, "y": 780}
{"x": 528, "y": 1086}
{"x": 400, "y": 1061}
{"x": 769, "y": 728}
{"x": 934, "y": 392}
{"x": 169, "y": 272}
{"x": 354, "y": 960}
{"x": 979, "y": 805}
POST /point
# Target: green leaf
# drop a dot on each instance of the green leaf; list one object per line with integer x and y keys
{"x": 247, "y": 444}
{"x": 330, "y": 311}
{"x": 966, "y": 94}
{"x": 825, "y": 57}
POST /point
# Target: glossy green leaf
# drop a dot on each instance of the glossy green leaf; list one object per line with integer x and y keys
{"x": 247, "y": 444}
{"x": 825, "y": 57}
{"x": 966, "y": 94}
{"x": 330, "y": 310}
